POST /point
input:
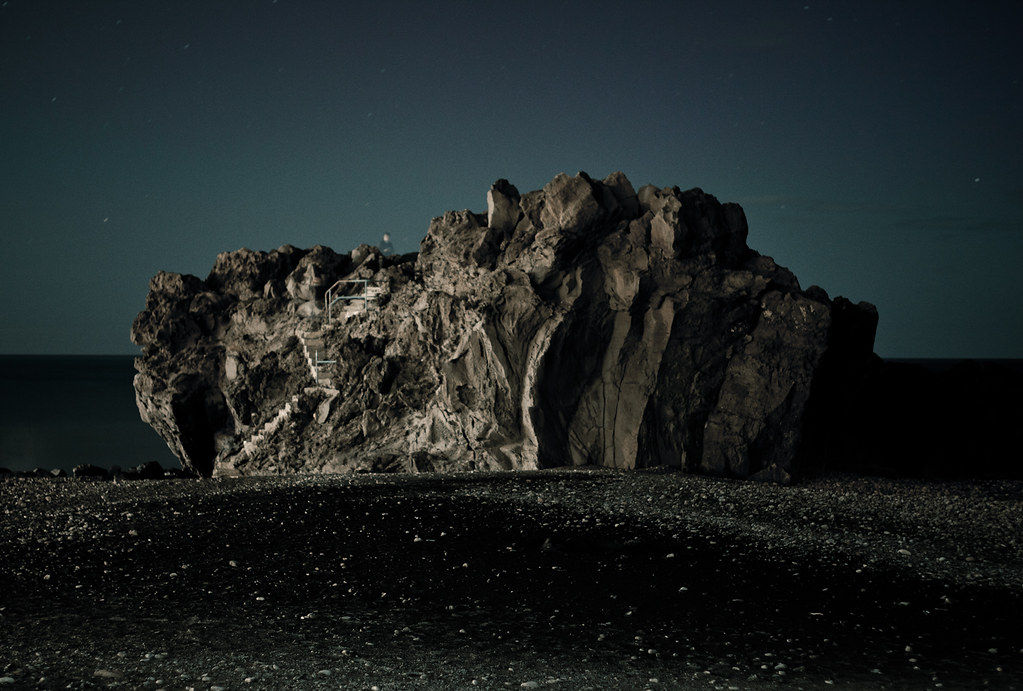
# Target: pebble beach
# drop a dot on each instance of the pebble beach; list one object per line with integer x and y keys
{"x": 562, "y": 578}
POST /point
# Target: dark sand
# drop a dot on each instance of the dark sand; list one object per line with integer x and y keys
{"x": 555, "y": 578}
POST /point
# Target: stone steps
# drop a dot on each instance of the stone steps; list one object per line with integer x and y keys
{"x": 315, "y": 349}
{"x": 270, "y": 427}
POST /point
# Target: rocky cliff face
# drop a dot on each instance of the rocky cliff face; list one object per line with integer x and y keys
{"x": 584, "y": 323}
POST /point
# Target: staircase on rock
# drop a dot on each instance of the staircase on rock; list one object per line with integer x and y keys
{"x": 250, "y": 446}
{"x": 315, "y": 349}
{"x": 313, "y": 346}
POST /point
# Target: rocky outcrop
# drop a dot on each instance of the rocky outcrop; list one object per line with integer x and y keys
{"x": 584, "y": 323}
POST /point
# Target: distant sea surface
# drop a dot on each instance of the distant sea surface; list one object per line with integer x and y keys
{"x": 61, "y": 411}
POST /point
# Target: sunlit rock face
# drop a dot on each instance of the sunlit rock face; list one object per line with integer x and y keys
{"x": 584, "y": 323}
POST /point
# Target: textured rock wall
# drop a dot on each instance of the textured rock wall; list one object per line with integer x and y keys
{"x": 584, "y": 323}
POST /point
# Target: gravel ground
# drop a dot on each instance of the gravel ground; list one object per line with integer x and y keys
{"x": 574, "y": 579}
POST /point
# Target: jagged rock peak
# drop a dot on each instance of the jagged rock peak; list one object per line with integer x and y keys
{"x": 582, "y": 323}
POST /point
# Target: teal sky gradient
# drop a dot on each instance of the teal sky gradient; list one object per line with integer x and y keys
{"x": 874, "y": 146}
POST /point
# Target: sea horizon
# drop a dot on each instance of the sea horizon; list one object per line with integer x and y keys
{"x": 61, "y": 411}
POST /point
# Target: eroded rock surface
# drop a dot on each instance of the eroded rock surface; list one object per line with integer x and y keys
{"x": 584, "y": 323}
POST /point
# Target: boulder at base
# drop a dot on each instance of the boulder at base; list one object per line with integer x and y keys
{"x": 582, "y": 324}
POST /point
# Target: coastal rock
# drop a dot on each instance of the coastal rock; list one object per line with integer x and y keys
{"x": 144, "y": 471}
{"x": 584, "y": 323}
{"x": 81, "y": 471}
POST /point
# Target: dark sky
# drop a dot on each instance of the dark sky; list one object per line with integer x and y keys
{"x": 876, "y": 147}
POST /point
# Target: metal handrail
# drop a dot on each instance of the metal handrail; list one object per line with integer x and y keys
{"x": 331, "y": 297}
{"x": 317, "y": 362}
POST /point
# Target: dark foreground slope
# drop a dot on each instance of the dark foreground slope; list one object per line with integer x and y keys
{"x": 602, "y": 579}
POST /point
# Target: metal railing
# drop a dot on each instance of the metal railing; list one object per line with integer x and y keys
{"x": 317, "y": 362}
{"x": 334, "y": 296}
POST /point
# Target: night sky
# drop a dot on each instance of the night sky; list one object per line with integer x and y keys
{"x": 876, "y": 147}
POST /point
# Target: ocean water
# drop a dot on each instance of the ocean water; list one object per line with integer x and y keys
{"x": 62, "y": 411}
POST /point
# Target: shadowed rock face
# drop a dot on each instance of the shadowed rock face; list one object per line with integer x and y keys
{"x": 584, "y": 323}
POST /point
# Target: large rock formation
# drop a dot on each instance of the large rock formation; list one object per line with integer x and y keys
{"x": 584, "y": 323}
